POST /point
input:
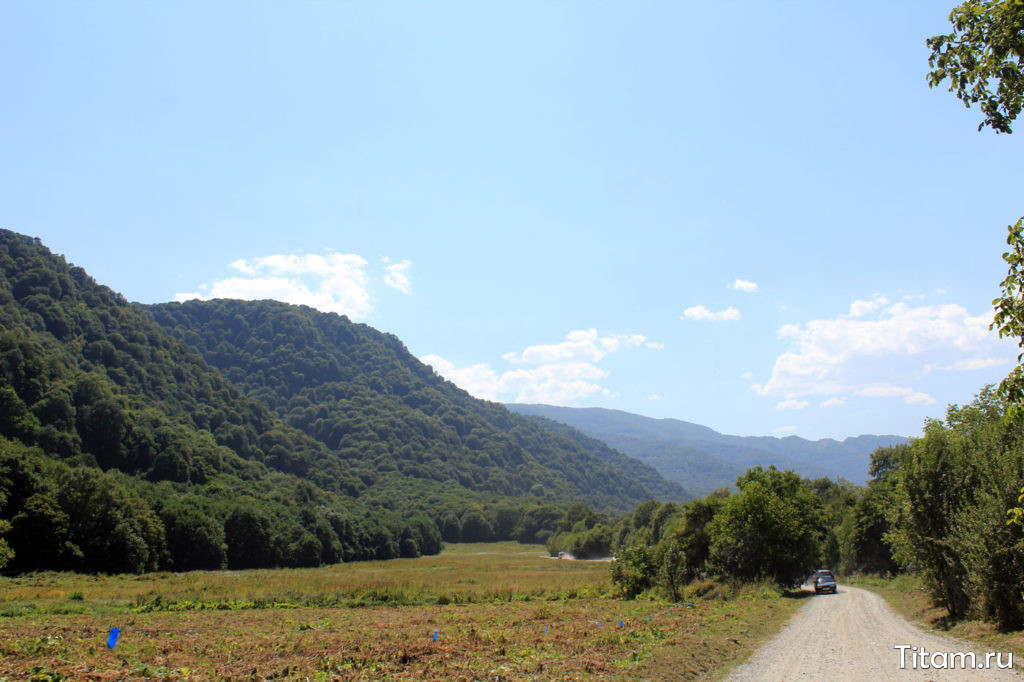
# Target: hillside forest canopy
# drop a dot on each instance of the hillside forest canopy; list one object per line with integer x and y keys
{"x": 254, "y": 434}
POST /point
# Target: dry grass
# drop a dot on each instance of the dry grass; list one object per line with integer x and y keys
{"x": 522, "y": 616}
{"x": 468, "y": 573}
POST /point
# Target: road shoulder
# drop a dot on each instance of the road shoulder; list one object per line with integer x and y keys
{"x": 906, "y": 596}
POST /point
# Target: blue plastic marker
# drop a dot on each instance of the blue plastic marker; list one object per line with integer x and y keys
{"x": 435, "y": 635}
{"x": 546, "y": 629}
{"x": 620, "y": 623}
{"x": 600, "y": 623}
{"x": 648, "y": 619}
{"x": 112, "y": 639}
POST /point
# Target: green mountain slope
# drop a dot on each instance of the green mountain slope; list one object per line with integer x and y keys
{"x": 661, "y": 487}
{"x": 701, "y": 459}
{"x": 361, "y": 394}
{"x": 111, "y": 428}
{"x": 123, "y": 448}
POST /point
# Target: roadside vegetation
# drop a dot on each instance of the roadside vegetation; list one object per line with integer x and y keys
{"x": 776, "y": 528}
{"x": 935, "y": 508}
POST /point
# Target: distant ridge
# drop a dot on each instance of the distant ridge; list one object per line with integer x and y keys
{"x": 702, "y": 459}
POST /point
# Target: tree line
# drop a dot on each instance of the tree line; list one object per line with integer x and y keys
{"x": 935, "y": 507}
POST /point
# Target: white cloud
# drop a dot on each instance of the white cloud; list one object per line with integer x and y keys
{"x": 747, "y": 375}
{"x": 700, "y": 312}
{"x": 744, "y": 285}
{"x": 791, "y": 404}
{"x": 556, "y": 384}
{"x": 333, "y": 282}
{"x": 558, "y": 373}
{"x": 584, "y": 345}
{"x": 479, "y": 379}
{"x": 969, "y": 364}
{"x": 785, "y": 429}
{"x": 862, "y": 308}
{"x": 834, "y": 402}
{"x": 243, "y": 267}
{"x": 878, "y": 344}
{"x": 397, "y": 276}
{"x": 909, "y": 395}
{"x": 654, "y": 397}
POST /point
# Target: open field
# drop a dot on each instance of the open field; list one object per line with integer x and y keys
{"x": 498, "y": 611}
{"x": 466, "y": 573}
{"x": 905, "y": 595}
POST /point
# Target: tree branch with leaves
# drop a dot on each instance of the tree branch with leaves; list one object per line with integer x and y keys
{"x": 982, "y": 58}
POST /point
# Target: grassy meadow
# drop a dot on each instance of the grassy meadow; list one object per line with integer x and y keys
{"x": 499, "y": 611}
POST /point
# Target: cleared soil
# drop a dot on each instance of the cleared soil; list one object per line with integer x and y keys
{"x": 853, "y": 635}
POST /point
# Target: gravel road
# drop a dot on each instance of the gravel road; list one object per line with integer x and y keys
{"x": 851, "y": 636}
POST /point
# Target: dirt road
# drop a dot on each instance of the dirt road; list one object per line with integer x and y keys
{"x": 852, "y": 636}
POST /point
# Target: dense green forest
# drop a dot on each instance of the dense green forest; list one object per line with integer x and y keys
{"x": 363, "y": 396}
{"x": 300, "y": 439}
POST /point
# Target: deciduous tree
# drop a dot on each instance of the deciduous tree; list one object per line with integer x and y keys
{"x": 982, "y": 58}
{"x": 771, "y": 529}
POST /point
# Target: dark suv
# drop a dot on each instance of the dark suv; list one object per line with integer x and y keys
{"x": 824, "y": 581}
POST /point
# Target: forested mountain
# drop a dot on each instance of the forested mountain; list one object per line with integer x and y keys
{"x": 701, "y": 459}
{"x": 123, "y": 449}
{"x": 660, "y": 487}
{"x": 361, "y": 394}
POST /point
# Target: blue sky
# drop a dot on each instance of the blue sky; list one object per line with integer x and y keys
{"x": 753, "y": 216}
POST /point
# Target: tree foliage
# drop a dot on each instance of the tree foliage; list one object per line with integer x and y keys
{"x": 1016, "y": 514}
{"x": 986, "y": 48}
{"x": 770, "y": 530}
{"x": 777, "y": 527}
{"x": 982, "y": 58}
{"x": 951, "y": 489}
{"x": 1009, "y": 316}
{"x": 582, "y": 533}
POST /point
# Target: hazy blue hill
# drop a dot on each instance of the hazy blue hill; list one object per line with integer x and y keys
{"x": 702, "y": 459}
{"x": 661, "y": 488}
